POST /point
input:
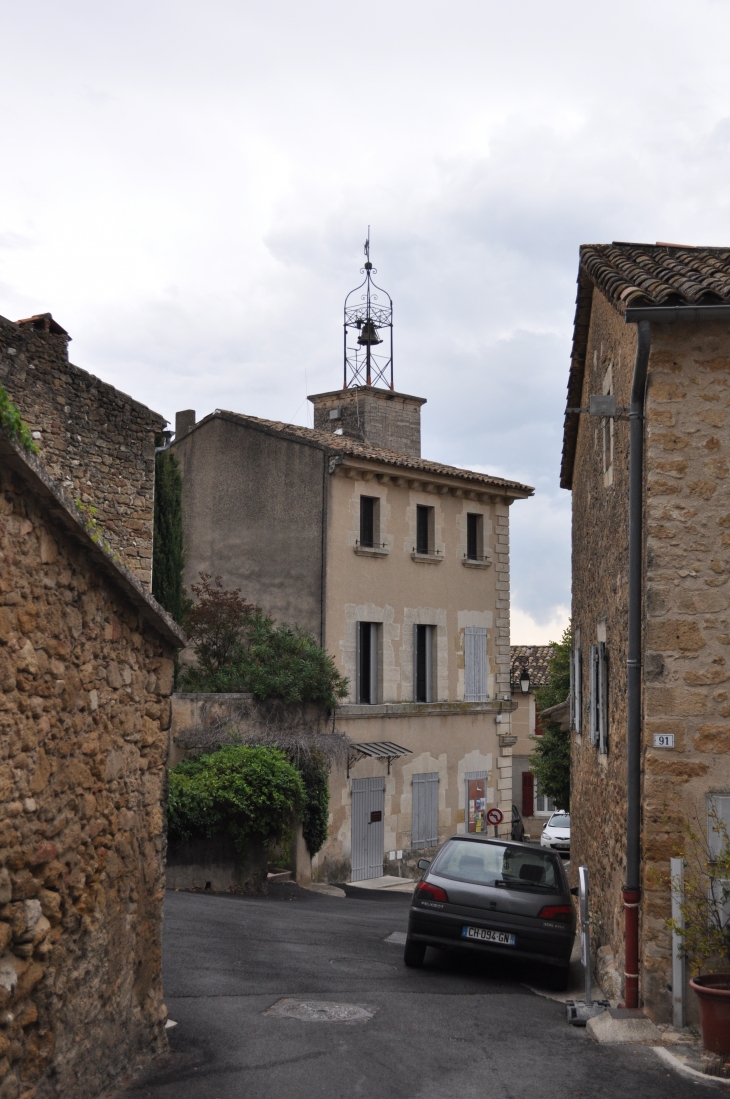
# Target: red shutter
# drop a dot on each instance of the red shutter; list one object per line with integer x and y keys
{"x": 528, "y": 794}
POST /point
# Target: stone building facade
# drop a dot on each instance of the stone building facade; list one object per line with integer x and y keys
{"x": 686, "y": 598}
{"x": 97, "y": 442}
{"x": 400, "y": 568}
{"x": 86, "y": 667}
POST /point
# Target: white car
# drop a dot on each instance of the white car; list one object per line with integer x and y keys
{"x": 556, "y": 833}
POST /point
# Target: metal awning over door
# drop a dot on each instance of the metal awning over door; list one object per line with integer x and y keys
{"x": 376, "y": 749}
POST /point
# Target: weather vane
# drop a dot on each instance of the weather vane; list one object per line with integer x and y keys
{"x": 367, "y": 314}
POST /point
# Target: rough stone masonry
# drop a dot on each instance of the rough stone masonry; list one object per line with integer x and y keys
{"x": 96, "y": 441}
{"x": 85, "y": 676}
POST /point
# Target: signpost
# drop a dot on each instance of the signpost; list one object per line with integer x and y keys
{"x": 580, "y": 1011}
{"x": 495, "y": 817}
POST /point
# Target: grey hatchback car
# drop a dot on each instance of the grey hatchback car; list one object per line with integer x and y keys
{"x": 494, "y": 896}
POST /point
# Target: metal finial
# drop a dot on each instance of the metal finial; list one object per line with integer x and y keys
{"x": 369, "y": 316}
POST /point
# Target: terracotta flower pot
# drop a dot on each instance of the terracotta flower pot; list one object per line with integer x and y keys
{"x": 713, "y": 995}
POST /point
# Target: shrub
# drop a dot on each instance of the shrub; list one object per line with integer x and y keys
{"x": 705, "y": 910}
{"x": 315, "y": 814}
{"x": 238, "y": 791}
{"x": 239, "y": 648}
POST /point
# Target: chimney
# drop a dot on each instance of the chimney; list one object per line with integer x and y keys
{"x": 184, "y": 422}
{"x": 380, "y": 417}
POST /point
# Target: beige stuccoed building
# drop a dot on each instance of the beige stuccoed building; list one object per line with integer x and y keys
{"x": 400, "y": 567}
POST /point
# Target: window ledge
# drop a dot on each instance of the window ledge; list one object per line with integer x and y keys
{"x": 476, "y": 563}
{"x": 428, "y": 558}
{"x": 372, "y": 551}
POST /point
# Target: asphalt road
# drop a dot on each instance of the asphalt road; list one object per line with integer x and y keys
{"x": 459, "y": 1027}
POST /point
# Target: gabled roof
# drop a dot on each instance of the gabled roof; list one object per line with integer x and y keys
{"x": 353, "y": 448}
{"x": 631, "y": 275}
{"x": 58, "y": 505}
{"x": 534, "y": 658}
{"x": 658, "y": 274}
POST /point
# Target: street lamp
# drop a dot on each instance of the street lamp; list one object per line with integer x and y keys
{"x": 525, "y": 681}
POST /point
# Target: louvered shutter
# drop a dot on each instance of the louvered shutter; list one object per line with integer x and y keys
{"x": 425, "y": 810}
{"x": 578, "y": 685}
{"x": 721, "y": 805}
{"x": 602, "y": 672}
{"x": 475, "y": 664}
{"x": 594, "y": 693}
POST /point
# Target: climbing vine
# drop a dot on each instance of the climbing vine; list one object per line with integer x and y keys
{"x": 13, "y": 423}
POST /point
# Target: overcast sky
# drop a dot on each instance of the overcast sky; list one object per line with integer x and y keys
{"x": 187, "y": 186}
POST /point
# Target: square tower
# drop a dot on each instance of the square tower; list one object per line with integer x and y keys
{"x": 377, "y": 416}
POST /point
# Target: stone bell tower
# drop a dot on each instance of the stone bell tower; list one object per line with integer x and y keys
{"x": 367, "y": 408}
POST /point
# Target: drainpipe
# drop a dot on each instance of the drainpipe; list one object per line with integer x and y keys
{"x": 632, "y": 889}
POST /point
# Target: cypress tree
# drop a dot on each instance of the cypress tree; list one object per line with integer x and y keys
{"x": 167, "y": 555}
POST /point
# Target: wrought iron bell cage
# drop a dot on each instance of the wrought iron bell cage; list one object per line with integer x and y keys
{"x": 368, "y": 324}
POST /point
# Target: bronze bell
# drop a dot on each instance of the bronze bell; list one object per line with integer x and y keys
{"x": 368, "y": 335}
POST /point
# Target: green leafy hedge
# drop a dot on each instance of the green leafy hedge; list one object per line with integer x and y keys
{"x": 237, "y": 791}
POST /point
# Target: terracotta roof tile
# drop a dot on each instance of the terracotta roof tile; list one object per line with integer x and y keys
{"x": 534, "y": 658}
{"x": 658, "y": 274}
{"x": 355, "y": 449}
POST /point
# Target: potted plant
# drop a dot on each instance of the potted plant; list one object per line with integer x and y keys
{"x": 705, "y": 927}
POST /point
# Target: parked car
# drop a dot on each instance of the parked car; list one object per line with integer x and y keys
{"x": 495, "y": 896}
{"x": 518, "y": 828}
{"x": 556, "y": 833}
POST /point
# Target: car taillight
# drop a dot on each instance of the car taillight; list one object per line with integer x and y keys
{"x": 561, "y": 913}
{"x": 426, "y": 891}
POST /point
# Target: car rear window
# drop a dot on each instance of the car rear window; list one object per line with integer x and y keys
{"x": 500, "y": 865}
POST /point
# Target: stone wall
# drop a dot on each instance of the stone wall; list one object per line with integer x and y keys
{"x": 85, "y": 681}
{"x": 686, "y": 618}
{"x": 96, "y": 441}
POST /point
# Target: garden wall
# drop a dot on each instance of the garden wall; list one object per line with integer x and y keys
{"x": 85, "y": 677}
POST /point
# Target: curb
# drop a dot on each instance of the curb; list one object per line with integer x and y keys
{"x": 684, "y": 1070}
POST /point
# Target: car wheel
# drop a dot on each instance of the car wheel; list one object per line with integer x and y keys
{"x": 557, "y": 978}
{"x": 414, "y": 954}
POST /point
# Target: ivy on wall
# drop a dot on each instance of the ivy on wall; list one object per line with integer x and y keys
{"x": 167, "y": 553}
{"x": 13, "y": 424}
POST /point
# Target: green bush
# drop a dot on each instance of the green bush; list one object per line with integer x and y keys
{"x": 315, "y": 814}
{"x": 239, "y": 648}
{"x": 237, "y": 791}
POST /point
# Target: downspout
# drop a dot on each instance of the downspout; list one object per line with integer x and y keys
{"x": 632, "y": 889}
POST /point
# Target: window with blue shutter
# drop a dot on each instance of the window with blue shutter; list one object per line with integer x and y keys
{"x": 475, "y": 664}
{"x": 425, "y": 810}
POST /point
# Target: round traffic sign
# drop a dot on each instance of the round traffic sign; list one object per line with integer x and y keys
{"x": 495, "y": 816}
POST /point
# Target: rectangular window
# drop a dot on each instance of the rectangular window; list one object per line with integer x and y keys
{"x": 424, "y": 529}
{"x": 425, "y": 810}
{"x": 367, "y": 663}
{"x": 474, "y": 539}
{"x": 718, "y": 813}
{"x": 599, "y": 696}
{"x": 475, "y": 664}
{"x": 543, "y": 804}
{"x": 369, "y": 532}
{"x": 424, "y": 663}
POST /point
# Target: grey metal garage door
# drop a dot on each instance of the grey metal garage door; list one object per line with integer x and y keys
{"x": 368, "y": 801}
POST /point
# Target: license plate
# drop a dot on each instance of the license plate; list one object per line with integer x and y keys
{"x": 484, "y": 935}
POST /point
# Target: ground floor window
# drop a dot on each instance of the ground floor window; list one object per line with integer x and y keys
{"x": 543, "y": 804}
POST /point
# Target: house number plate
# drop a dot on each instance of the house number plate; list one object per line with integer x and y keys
{"x": 663, "y": 740}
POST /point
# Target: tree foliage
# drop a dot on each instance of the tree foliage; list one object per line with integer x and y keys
{"x": 239, "y": 791}
{"x": 550, "y": 759}
{"x": 239, "y": 648}
{"x": 167, "y": 551}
